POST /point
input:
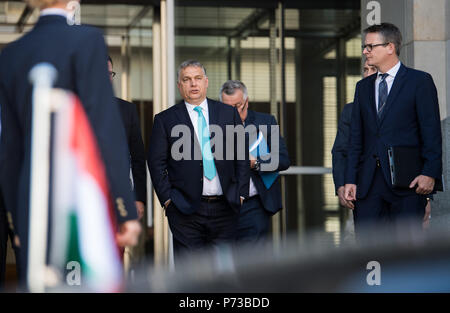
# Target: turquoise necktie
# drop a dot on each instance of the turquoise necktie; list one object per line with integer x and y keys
{"x": 209, "y": 168}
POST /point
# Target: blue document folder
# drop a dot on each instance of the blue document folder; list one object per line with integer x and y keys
{"x": 259, "y": 149}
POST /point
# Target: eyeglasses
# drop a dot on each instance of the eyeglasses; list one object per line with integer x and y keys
{"x": 112, "y": 74}
{"x": 369, "y": 47}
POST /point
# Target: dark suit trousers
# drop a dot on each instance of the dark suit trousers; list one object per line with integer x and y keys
{"x": 254, "y": 221}
{"x": 5, "y": 231}
{"x": 383, "y": 208}
{"x": 212, "y": 224}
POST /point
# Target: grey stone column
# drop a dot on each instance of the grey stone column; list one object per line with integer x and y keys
{"x": 425, "y": 26}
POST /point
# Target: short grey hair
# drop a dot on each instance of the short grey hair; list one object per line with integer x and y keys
{"x": 230, "y": 86}
{"x": 188, "y": 63}
{"x": 389, "y": 32}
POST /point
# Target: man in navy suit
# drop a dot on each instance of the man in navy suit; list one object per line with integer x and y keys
{"x": 78, "y": 53}
{"x": 130, "y": 121}
{"x": 201, "y": 190}
{"x": 396, "y": 107}
{"x": 263, "y": 201}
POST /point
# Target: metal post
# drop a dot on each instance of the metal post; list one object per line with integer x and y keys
{"x": 125, "y": 76}
{"x": 158, "y": 212}
{"x": 283, "y": 111}
{"x": 42, "y": 76}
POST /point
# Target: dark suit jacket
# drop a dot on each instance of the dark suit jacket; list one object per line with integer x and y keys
{"x": 271, "y": 198}
{"x": 136, "y": 146}
{"x": 410, "y": 118}
{"x": 78, "y": 53}
{"x": 182, "y": 180}
{"x": 340, "y": 146}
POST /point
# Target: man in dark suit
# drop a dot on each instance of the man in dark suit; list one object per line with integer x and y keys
{"x": 130, "y": 120}
{"x": 396, "y": 107}
{"x": 201, "y": 190}
{"x": 78, "y": 53}
{"x": 263, "y": 201}
{"x": 340, "y": 146}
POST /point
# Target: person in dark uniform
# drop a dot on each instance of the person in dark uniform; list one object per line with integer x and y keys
{"x": 78, "y": 53}
{"x": 135, "y": 145}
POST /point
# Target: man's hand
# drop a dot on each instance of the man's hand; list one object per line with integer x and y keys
{"x": 129, "y": 233}
{"x": 425, "y": 184}
{"x": 427, "y": 216}
{"x": 140, "y": 209}
{"x": 16, "y": 241}
{"x": 242, "y": 200}
{"x": 350, "y": 192}
{"x": 342, "y": 200}
{"x": 252, "y": 163}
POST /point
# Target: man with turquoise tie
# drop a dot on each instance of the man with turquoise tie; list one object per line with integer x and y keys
{"x": 202, "y": 193}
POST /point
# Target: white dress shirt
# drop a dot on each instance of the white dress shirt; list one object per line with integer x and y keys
{"x": 54, "y": 11}
{"x": 389, "y": 81}
{"x": 210, "y": 187}
{"x": 252, "y": 191}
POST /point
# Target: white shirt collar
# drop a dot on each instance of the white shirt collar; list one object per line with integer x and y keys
{"x": 203, "y": 105}
{"x": 393, "y": 71}
{"x": 54, "y": 11}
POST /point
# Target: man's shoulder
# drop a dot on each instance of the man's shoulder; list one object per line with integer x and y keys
{"x": 219, "y": 105}
{"x": 416, "y": 74}
{"x": 263, "y": 118}
{"x": 168, "y": 113}
{"x": 124, "y": 103}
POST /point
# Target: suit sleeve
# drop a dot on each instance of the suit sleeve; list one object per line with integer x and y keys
{"x": 137, "y": 153}
{"x": 276, "y": 151}
{"x": 427, "y": 107}
{"x": 340, "y": 147}
{"x": 95, "y": 91}
{"x": 158, "y": 156}
{"x": 355, "y": 141}
{"x": 242, "y": 166}
{"x": 11, "y": 155}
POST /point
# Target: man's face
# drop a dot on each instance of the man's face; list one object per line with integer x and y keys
{"x": 110, "y": 70}
{"x": 379, "y": 54}
{"x": 236, "y": 100}
{"x": 193, "y": 85}
{"x": 368, "y": 69}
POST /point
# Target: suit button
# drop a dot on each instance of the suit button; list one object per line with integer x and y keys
{"x": 374, "y": 156}
{"x": 201, "y": 164}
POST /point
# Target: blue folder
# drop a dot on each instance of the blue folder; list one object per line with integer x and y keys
{"x": 258, "y": 149}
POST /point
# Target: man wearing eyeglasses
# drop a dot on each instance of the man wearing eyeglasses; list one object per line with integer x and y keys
{"x": 396, "y": 107}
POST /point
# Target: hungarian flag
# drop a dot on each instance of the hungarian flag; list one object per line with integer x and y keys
{"x": 83, "y": 220}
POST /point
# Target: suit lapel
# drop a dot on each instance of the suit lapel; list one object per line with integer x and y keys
{"x": 371, "y": 93}
{"x": 183, "y": 117}
{"x": 399, "y": 80}
{"x": 213, "y": 112}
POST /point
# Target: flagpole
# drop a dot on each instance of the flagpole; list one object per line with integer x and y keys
{"x": 42, "y": 76}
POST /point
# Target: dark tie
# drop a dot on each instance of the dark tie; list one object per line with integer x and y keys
{"x": 382, "y": 93}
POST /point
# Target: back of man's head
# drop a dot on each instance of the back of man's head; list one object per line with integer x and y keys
{"x": 230, "y": 87}
{"x": 389, "y": 32}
